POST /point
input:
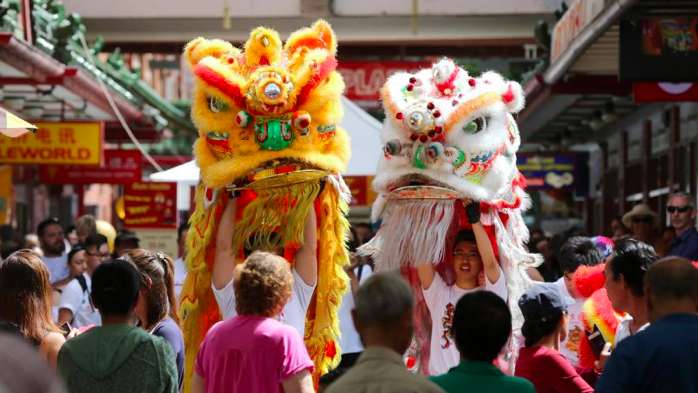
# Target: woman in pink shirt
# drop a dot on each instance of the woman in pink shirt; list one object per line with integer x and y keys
{"x": 545, "y": 325}
{"x": 253, "y": 352}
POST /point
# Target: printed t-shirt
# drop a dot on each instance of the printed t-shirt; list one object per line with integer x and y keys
{"x": 441, "y": 300}
{"x": 575, "y": 328}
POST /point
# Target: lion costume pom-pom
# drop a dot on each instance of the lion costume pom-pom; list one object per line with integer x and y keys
{"x": 268, "y": 119}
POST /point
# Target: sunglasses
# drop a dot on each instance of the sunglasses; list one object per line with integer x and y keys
{"x": 643, "y": 220}
{"x": 680, "y": 209}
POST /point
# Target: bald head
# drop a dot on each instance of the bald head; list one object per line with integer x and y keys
{"x": 672, "y": 286}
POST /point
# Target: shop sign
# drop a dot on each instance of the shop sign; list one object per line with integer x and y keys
{"x": 364, "y": 79}
{"x": 6, "y": 194}
{"x": 150, "y": 205}
{"x": 161, "y": 239}
{"x": 550, "y": 170}
{"x": 74, "y": 143}
{"x": 118, "y": 167}
{"x": 665, "y": 91}
{"x": 580, "y": 14}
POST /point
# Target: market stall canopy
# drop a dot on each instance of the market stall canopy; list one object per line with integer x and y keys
{"x": 365, "y": 148}
{"x": 12, "y": 126}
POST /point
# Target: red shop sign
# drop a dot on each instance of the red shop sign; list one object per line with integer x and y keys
{"x": 150, "y": 205}
{"x": 364, "y": 79}
{"x": 118, "y": 167}
{"x": 665, "y": 91}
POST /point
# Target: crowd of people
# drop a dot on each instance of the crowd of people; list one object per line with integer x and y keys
{"x": 603, "y": 314}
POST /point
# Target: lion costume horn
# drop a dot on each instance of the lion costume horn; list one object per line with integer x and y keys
{"x": 268, "y": 119}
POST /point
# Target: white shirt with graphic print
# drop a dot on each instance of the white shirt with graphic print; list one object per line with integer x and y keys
{"x": 293, "y": 313}
{"x": 569, "y": 348}
{"x": 441, "y": 299}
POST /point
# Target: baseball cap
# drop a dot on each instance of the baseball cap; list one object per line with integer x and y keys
{"x": 543, "y": 301}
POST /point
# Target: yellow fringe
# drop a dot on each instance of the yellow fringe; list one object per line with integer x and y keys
{"x": 198, "y": 308}
{"x": 282, "y": 208}
{"x": 322, "y": 325}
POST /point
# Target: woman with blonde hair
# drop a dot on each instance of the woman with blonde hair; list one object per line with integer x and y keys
{"x": 25, "y": 302}
{"x": 253, "y": 351}
{"x": 156, "y": 308}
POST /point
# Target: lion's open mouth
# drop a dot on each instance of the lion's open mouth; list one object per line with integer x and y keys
{"x": 416, "y": 180}
{"x": 274, "y": 168}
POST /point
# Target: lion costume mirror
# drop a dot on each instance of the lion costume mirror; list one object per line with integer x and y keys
{"x": 449, "y": 139}
{"x": 268, "y": 119}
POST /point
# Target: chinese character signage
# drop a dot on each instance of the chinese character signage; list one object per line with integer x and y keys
{"x": 118, "y": 167}
{"x": 150, "y": 205}
{"x": 74, "y": 143}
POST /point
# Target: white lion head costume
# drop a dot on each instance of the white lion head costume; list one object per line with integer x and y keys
{"x": 449, "y": 137}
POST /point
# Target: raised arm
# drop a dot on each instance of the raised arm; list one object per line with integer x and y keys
{"x": 484, "y": 247}
{"x": 306, "y": 257}
{"x": 425, "y": 271}
{"x": 224, "y": 261}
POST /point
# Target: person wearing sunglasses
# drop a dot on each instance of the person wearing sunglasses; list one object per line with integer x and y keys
{"x": 681, "y": 210}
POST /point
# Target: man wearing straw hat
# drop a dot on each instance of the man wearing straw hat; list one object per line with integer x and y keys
{"x": 642, "y": 221}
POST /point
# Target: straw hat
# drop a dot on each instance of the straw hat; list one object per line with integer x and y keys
{"x": 640, "y": 210}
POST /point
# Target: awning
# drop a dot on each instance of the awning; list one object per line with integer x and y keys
{"x": 12, "y": 126}
{"x": 363, "y": 130}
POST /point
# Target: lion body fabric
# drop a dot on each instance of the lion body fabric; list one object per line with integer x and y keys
{"x": 449, "y": 139}
{"x": 268, "y": 119}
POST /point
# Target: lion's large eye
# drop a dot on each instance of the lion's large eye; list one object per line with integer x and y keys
{"x": 476, "y": 125}
{"x": 216, "y": 105}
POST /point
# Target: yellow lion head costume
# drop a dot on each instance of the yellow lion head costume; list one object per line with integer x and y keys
{"x": 268, "y": 119}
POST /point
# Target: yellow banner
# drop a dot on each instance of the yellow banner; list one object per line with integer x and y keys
{"x": 76, "y": 143}
{"x": 6, "y": 194}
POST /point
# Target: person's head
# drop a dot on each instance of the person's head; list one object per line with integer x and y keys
{"x": 545, "y": 313}
{"x": 681, "y": 209}
{"x": 25, "y": 298}
{"x": 77, "y": 261}
{"x": 625, "y": 272}
{"x": 97, "y": 251}
{"x": 618, "y": 229}
{"x": 23, "y": 370}
{"x": 482, "y": 338}
{"x": 577, "y": 251}
{"x": 115, "y": 286}
{"x": 85, "y": 226}
{"x": 71, "y": 236}
{"x": 50, "y": 234}
{"x": 363, "y": 232}
{"x": 125, "y": 240}
{"x": 262, "y": 284}
{"x": 671, "y": 286}
{"x": 383, "y": 312}
{"x": 467, "y": 263}
{"x": 642, "y": 221}
{"x": 157, "y": 298}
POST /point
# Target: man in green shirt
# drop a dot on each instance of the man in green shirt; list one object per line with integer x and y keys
{"x": 118, "y": 356}
{"x": 481, "y": 328}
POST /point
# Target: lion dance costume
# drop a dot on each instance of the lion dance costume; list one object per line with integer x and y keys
{"x": 268, "y": 119}
{"x": 448, "y": 137}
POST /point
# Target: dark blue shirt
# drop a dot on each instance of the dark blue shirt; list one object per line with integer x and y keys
{"x": 169, "y": 330}
{"x": 660, "y": 359}
{"x": 686, "y": 245}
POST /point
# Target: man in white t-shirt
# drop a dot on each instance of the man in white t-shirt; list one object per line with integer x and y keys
{"x": 304, "y": 270}
{"x": 53, "y": 247}
{"x": 472, "y": 253}
{"x": 75, "y": 306}
{"x": 577, "y": 251}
